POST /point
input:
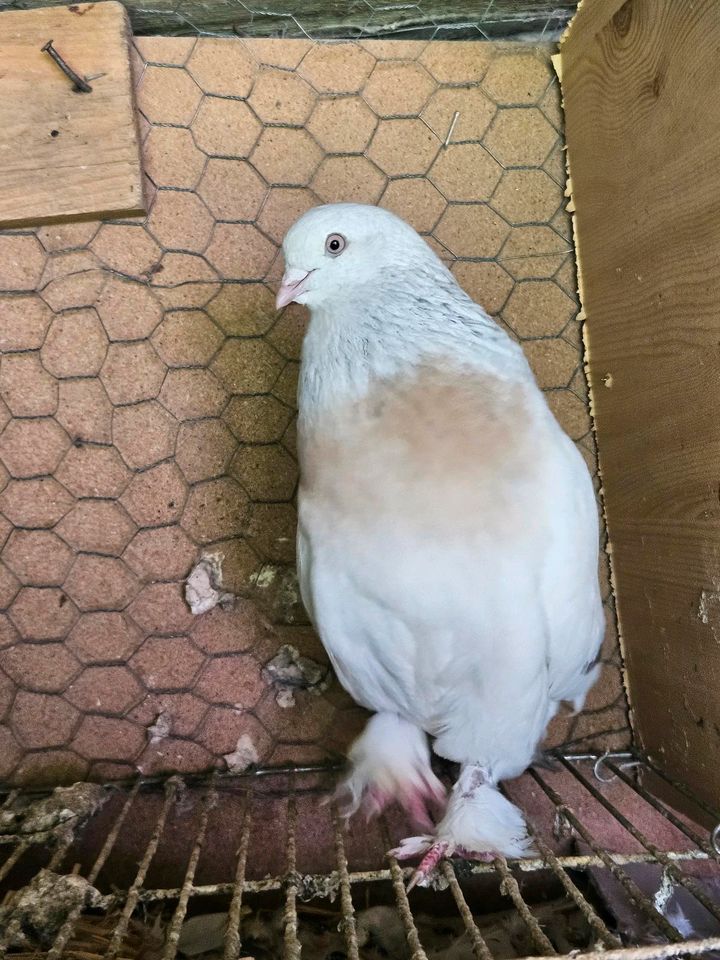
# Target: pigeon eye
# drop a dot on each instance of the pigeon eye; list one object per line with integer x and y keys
{"x": 335, "y": 244}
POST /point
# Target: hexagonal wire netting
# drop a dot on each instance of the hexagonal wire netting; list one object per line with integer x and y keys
{"x": 346, "y": 19}
{"x": 148, "y": 387}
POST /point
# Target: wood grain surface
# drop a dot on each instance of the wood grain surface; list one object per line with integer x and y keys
{"x": 643, "y": 135}
{"x": 64, "y": 154}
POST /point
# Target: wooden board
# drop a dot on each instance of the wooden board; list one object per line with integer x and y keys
{"x": 63, "y": 154}
{"x": 643, "y": 135}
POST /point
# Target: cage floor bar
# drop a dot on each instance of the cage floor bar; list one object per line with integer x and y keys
{"x": 609, "y": 854}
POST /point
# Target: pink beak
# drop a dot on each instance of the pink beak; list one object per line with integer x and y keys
{"x": 294, "y": 282}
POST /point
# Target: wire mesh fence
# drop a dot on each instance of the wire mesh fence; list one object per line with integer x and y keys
{"x": 342, "y": 19}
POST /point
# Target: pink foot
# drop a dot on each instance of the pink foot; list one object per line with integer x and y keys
{"x": 434, "y": 851}
{"x": 418, "y": 802}
{"x": 428, "y": 865}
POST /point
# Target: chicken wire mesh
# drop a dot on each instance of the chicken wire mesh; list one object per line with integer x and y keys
{"x": 358, "y": 19}
{"x": 151, "y": 403}
{"x": 260, "y": 866}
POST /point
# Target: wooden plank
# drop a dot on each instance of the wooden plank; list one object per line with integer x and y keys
{"x": 673, "y": 669}
{"x": 65, "y": 154}
{"x": 325, "y": 19}
{"x": 643, "y": 137}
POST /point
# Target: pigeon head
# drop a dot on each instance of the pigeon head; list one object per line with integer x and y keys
{"x": 334, "y": 251}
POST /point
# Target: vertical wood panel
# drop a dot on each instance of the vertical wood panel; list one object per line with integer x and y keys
{"x": 643, "y": 134}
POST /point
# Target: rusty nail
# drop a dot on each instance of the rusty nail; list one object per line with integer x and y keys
{"x": 80, "y": 84}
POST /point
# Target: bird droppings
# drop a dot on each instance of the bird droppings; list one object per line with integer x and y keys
{"x": 709, "y": 608}
{"x": 66, "y": 808}
{"x": 311, "y": 886}
{"x": 276, "y": 589}
{"x": 41, "y": 908}
{"x": 285, "y": 698}
{"x": 265, "y": 578}
{"x": 160, "y": 729}
{"x": 289, "y": 670}
{"x": 243, "y": 756}
{"x": 664, "y": 893}
{"x": 203, "y": 588}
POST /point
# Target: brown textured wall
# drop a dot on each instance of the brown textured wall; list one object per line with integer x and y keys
{"x": 148, "y": 387}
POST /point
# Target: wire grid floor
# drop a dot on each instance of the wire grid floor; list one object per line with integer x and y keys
{"x": 291, "y": 802}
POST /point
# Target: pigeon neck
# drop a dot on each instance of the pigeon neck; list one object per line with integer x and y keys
{"x": 349, "y": 349}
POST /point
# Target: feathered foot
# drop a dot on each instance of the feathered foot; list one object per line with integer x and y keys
{"x": 479, "y": 824}
{"x": 391, "y": 762}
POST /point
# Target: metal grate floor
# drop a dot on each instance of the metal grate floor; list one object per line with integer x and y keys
{"x": 643, "y": 879}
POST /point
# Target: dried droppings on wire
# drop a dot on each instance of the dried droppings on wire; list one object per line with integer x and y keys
{"x": 310, "y": 887}
{"x": 66, "y": 807}
{"x": 289, "y": 670}
{"x": 37, "y": 912}
{"x": 203, "y": 587}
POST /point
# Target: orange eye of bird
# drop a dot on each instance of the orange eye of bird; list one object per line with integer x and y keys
{"x": 335, "y": 244}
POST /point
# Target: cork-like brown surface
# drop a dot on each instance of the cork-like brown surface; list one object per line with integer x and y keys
{"x": 148, "y": 387}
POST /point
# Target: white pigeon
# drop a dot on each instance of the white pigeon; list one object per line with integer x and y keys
{"x": 448, "y": 529}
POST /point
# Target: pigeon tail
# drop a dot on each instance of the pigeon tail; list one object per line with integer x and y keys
{"x": 391, "y": 762}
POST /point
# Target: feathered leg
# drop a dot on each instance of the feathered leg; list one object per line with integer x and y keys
{"x": 391, "y": 761}
{"x": 479, "y": 824}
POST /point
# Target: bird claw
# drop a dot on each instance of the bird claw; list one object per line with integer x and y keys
{"x": 433, "y": 852}
{"x": 428, "y": 865}
{"x": 417, "y": 878}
